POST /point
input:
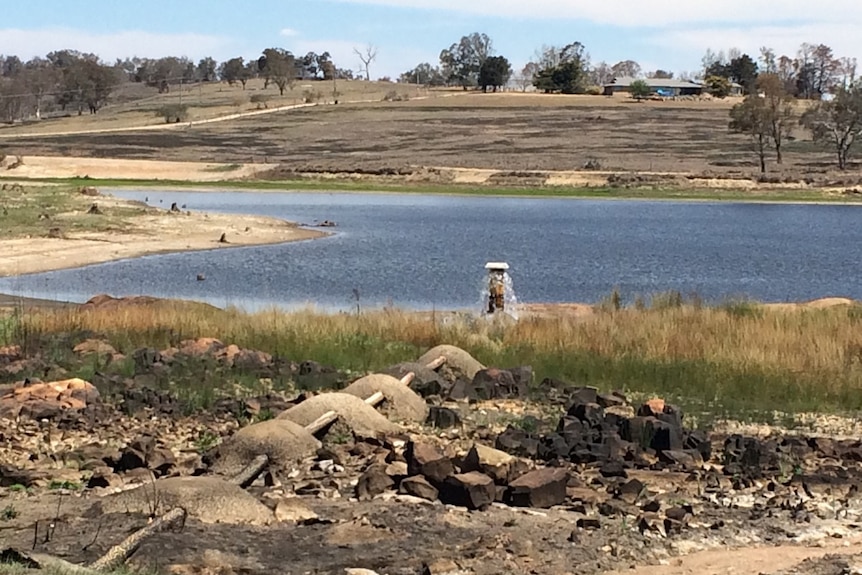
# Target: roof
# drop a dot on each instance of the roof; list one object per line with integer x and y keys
{"x": 626, "y": 81}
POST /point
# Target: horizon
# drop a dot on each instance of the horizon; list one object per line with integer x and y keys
{"x": 670, "y": 34}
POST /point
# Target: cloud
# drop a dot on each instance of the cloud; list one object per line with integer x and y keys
{"x": 108, "y": 46}
{"x": 288, "y": 32}
{"x": 844, "y": 39}
{"x": 656, "y": 13}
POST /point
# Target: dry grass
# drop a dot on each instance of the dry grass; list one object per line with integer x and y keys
{"x": 739, "y": 357}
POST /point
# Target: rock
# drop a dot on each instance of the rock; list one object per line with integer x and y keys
{"x": 592, "y": 414}
{"x": 630, "y": 491}
{"x": 442, "y": 567}
{"x": 94, "y": 347}
{"x": 397, "y": 470}
{"x": 613, "y": 469}
{"x": 492, "y": 462}
{"x": 442, "y": 417}
{"x": 130, "y": 458}
{"x": 496, "y": 383}
{"x": 104, "y": 477}
{"x": 428, "y": 460}
{"x": 588, "y": 523}
{"x": 418, "y": 486}
{"x": 362, "y": 419}
{"x": 472, "y": 490}
{"x": 581, "y": 395}
{"x": 457, "y": 360}
{"x": 614, "y": 399}
{"x": 698, "y": 441}
{"x": 426, "y": 382}
{"x": 373, "y": 482}
{"x": 687, "y": 460}
{"x": 653, "y": 407}
{"x": 48, "y": 400}
{"x": 517, "y": 442}
{"x": 402, "y": 403}
{"x": 541, "y": 488}
{"x": 523, "y": 375}
{"x": 247, "y": 360}
{"x": 282, "y": 440}
{"x": 649, "y": 432}
{"x": 208, "y": 499}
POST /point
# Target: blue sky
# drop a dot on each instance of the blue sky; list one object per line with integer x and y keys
{"x": 668, "y": 34}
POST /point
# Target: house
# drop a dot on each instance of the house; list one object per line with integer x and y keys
{"x": 666, "y": 87}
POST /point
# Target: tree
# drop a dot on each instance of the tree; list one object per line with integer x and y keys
{"x": 640, "y": 90}
{"x": 626, "y": 68}
{"x": 662, "y": 74}
{"x": 717, "y": 86}
{"x": 743, "y": 70}
{"x": 838, "y": 122}
{"x": 527, "y": 75}
{"x": 494, "y": 72}
{"x": 570, "y": 72}
{"x": 749, "y": 117}
{"x": 232, "y": 71}
{"x": 825, "y": 68}
{"x": 601, "y": 74}
{"x": 206, "y": 70}
{"x": 778, "y": 109}
{"x": 425, "y": 74}
{"x": 462, "y": 61}
{"x": 40, "y": 79}
{"x": 279, "y": 67}
{"x": 366, "y": 56}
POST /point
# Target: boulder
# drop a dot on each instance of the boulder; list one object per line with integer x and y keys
{"x": 208, "y": 499}
{"x": 472, "y": 490}
{"x": 362, "y": 419}
{"x": 48, "y": 400}
{"x": 418, "y": 486}
{"x": 402, "y": 403}
{"x": 293, "y": 510}
{"x": 428, "y": 460}
{"x": 650, "y": 432}
{"x": 517, "y": 442}
{"x": 373, "y": 482}
{"x": 282, "y": 440}
{"x": 496, "y": 464}
{"x": 496, "y": 383}
{"x": 540, "y": 488}
{"x": 442, "y": 417}
{"x": 426, "y": 382}
{"x": 457, "y": 360}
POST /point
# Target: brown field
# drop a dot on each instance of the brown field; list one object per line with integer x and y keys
{"x": 512, "y": 131}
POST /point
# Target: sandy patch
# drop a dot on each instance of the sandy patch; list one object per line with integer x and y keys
{"x": 164, "y": 232}
{"x": 116, "y": 169}
{"x": 823, "y": 303}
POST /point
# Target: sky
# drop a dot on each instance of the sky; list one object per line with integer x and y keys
{"x": 667, "y": 34}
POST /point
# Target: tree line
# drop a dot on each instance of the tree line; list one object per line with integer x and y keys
{"x": 68, "y": 80}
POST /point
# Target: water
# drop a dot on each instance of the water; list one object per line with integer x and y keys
{"x": 426, "y": 252}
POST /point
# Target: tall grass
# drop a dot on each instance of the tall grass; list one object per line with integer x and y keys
{"x": 738, "y": 357}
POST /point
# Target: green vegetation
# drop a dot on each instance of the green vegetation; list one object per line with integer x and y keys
{"x": 8, "y": 513}
{"x": 173, "y": 113}
{"x": 640, "y": 90}
{"x": 739, "y": 358}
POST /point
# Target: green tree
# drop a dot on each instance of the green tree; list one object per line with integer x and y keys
{"x": 563, "y": 70}
{"x": 494, "y": 72}
{"x": 717, "y": 86}
{"x": 640, "y": 90}
{"x": 40, "y": 79}
{"x": 206, "y": 70}
{"x": 425, "y": 74}
{"x": 750, "y": 117}
{"x": 462, "y": 61}
{"x": 837, "y": 122}
{"x": 233, "y": 71}
{"x": 279, "y": 67}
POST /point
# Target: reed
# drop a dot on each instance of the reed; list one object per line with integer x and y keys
{"x": 734, "y": 358}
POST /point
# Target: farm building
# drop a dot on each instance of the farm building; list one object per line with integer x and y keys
{"x": 664, "y": 87}
{"x": 660, "y": 86}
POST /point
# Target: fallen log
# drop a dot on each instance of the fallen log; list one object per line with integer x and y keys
{"x": 119, "y": 554}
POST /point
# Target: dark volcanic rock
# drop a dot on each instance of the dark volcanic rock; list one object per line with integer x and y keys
{"x": 418, "y": 486}
{"x": 442, "y": 417}
{"x": 373, "y": 482}
{"x": 428, "y": 460}
{"x": 517, "y": 442}
{"x": 541, "y": 488}
{"x": 426, "y": 382}
{"x": 496, "y": 383}
{"x": 472, "y": 490}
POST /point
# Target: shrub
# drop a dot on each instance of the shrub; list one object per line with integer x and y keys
{"x": 173, "y": 113}
{"x": 312, "y": 96}
{"x": 261, "y": 100}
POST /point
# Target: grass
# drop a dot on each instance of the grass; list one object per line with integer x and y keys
{"x": 35, "y": 211}
{"x": 738, "y": 359}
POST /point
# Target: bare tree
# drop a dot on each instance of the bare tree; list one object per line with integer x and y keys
{"x": 777, "y": 108}
{"x": 367, "y": 55}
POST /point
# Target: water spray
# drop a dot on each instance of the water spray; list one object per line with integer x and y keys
{"x": 498, "y": 295}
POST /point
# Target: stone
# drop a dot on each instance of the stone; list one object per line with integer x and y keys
{"x": 373, "y": 482}
{"x": 428, "y": 460}
{"x": 517, "y": 442}
{"x": 588, "y": 523}
{"x": 581, "y": 395}
{"x": 397, "y": 469}
{"x": 48, "y": 400}
{"x": 687, "y": 460}
{"x": 652, "y": 407}
{"x": 492, "y": 462}
{"x": 94, "y": 347}
{"x": 650, "y": 432}
{"x": 523, "y": 375}
{"x": 698, "y": 441}
{"x": 418, "y": 486}
{"x": 613, "y": 469}
{"x": 293, "y": 510}
{"x": 130, "y": 458}
{"x": 442, "y": 567}
{"x": 493, "y": 383}
{"x": 442, "y": 417}
{"x": 676, "y": 514}
{"x": 553, "y": 446}
{"x": 104, "y": 477}
{"x": 591, "y": 414}
{"x": 631, "y": 490}
{"x": 542, "y": 488}
{"x": 614, "y": 399}
{"x": 457, "y": 360}
{"x": 426, "y": 382}
{"x": 401, "y": 403}
{"x": 472, "y": 490}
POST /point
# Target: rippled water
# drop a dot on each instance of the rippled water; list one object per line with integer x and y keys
{"x": 429, "y": 252}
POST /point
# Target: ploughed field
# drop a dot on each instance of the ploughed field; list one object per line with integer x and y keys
{"x": 514, "y": 132}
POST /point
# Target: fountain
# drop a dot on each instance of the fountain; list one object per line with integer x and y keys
{"x": 498, "y": 293}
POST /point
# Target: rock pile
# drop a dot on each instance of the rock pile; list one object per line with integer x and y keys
{"x": 47, "y": 400}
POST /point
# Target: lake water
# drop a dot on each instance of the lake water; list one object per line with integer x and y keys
{"x": 427, "y": 252}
